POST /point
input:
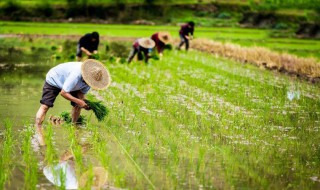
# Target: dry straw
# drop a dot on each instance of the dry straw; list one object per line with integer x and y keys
{"x": 283, "y": 62}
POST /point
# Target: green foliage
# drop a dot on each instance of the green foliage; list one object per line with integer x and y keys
{"x": 263, "y": 6}
{"x": 6, "y": 152}
{"x": 67, "y": 118}
{"x": 98, "y": 109}
{"x": 118, "y": 49}
{"x": 224, "y": 15}
{"x": 168, "y": 47}
{"x": 95, "y": 56}
{"x": 281, "y": 26}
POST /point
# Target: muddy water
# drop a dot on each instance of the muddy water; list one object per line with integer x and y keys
{"x": 21, "y": 89}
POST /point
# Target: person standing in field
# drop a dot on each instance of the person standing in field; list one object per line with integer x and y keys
{"x": 161, "y": 39}
{"x": 72, "y": 80}
{"x": 186, "y": 34}
{"x": 142, "y": 47}
{"x": 88, "y": 44}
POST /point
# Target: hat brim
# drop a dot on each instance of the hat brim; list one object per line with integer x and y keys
{"x": 86, "y": 70}
{"x": 164, "y": 37}
{"x": 146, "y": 43}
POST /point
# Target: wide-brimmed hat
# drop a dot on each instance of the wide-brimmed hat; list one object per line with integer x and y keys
{"x": 146, "y": 42}
{"x": 95, "y": 74}
{"x": 164, "y": 37}
{"x": 99, "y": 176}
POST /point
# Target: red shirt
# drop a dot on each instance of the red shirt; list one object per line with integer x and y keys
{"x": 159, "y": 44}
{"x": 185, "y": 30}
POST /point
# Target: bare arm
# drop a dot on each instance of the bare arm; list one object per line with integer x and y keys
{"x": 80, "y": 102}
{"x": 85, "y": 51}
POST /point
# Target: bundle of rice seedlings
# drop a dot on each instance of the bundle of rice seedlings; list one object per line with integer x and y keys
{"x": 155, "y": 57}
{"x": 99, "y": 110}
{"x": 67, "y": 118}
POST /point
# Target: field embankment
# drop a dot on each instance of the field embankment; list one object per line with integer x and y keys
{"x": 307, "y": 68}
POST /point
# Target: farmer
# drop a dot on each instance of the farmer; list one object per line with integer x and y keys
{"x": 72, "y": 80}
{"x": 184, "y": 32}
{"x": 161, "y": 39}
{"x": 88, "y": 44}
{"x": 141, "y": 45}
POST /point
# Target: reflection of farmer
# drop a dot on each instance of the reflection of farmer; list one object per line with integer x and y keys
{"x": 88, "y": 44}
{"x": 65, "y": 173}
{"x": 161, "y": 39}
{"x": 72, "y": 80}
{"x": 184, "y": 32}
{"x": 141, "y": 45}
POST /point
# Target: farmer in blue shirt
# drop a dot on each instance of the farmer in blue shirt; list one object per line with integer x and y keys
{"x": 88, "y": 44}
{"x": 72, "y": 80}
{"x": 186, "y": 34}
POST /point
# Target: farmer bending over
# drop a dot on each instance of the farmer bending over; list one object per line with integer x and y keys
{"x": 72, "y": 80}
{"x": 141, "y": 45}
{"x": 184, "y": 32}
{"x": 161, "y": 39}
{"x": 88, "y": 44}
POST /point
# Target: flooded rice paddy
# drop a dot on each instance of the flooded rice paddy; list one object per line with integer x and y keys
{"x": 190, "y": 121}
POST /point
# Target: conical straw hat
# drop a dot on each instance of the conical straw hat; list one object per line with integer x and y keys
{"x": 95, "y": 74}
{"x": 146, "y": 42}
{"x": 99, "y": 177}
{"x": 164, "y": 37}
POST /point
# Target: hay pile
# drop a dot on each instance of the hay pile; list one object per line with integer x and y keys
{"x": 283, "y": 62}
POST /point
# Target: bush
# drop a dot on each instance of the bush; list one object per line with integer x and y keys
{"x": 281, "y": 26}
{"x": 224, "y": 15}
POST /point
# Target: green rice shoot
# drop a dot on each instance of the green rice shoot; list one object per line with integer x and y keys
{"x": 98, "y": 109}
{"x": 67, "y": 118}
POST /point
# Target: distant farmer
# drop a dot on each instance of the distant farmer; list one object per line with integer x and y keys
{"x": 88, "y": 44}
{"x": 141, "y": 45}
{"x": 184, "y": 32}
{"x": 161, "y": 39}
{"x": 72, "y": 80}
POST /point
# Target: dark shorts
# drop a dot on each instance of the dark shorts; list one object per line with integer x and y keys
{"x": 50, "y": 93}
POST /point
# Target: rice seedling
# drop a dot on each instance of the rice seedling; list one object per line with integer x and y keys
{"x": 7, "y": 153}
{"x": 98, "y": 109}
{"x": 31, "y": 166}
{"x": 67, "y": 118}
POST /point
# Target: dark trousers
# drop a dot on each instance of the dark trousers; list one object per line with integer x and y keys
{"x": 135, "y": 51}
{"x": 184, "y": 40}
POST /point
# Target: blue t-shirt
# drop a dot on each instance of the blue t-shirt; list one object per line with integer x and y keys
{"x": 67, "y": 76}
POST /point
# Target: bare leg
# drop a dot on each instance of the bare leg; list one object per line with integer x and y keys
{"x": 41, "y": 114}
{"x": 75, "y": 114}
{"x": 76, "y": 110}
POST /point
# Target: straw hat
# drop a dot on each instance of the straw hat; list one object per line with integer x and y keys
{"x": 164, "y": 37}
{"x": 146, "y": 42}
{"x": 95, "y": 74}
{"x": 98, "y": 175}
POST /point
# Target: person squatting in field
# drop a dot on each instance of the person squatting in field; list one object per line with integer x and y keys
{"x": 141, "y": 45}
{"x": 72, "y": 80}
{"x": 184, "y": 32}
{"x": 88, "y": 44}
{"x": 161, "y": 39}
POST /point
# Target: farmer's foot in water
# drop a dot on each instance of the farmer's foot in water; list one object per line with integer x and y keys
{"x": 40, "y": 137}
